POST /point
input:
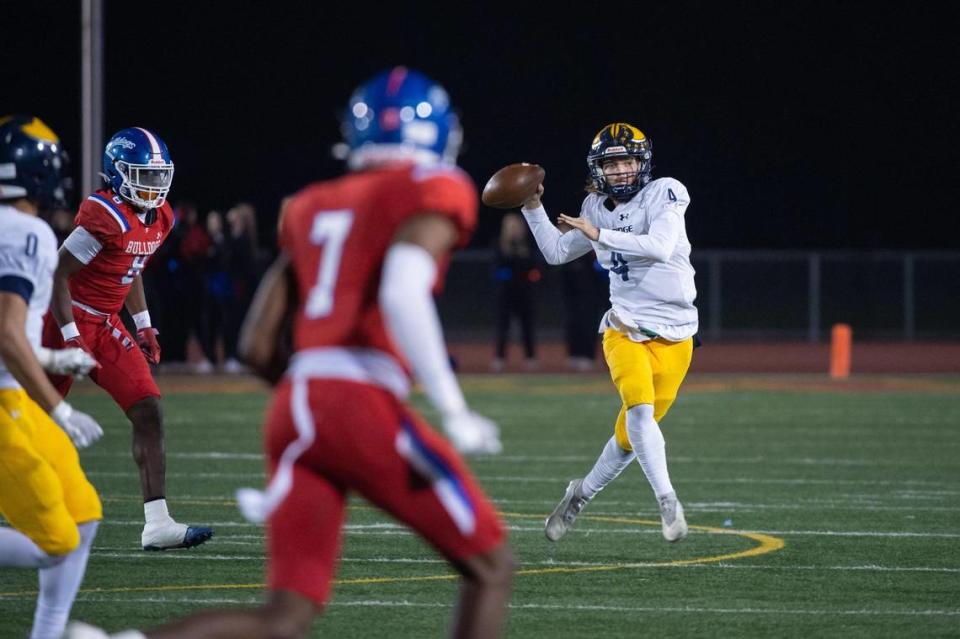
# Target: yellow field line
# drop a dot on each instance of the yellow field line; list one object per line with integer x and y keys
{"x": 767, "y": 544}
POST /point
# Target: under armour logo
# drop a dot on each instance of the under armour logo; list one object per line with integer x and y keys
{"x": 624, "y": 216}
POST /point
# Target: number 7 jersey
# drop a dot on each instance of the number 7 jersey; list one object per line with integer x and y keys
{"x": 115, "y": 245}
{"x": 337, "y": 234}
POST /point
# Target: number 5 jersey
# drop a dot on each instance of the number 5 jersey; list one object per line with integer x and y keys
{"x": 115, "y": 244}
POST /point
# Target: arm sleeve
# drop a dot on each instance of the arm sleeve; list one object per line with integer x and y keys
{"x": 658, "y": 244}
{"x": 18, "y": 285}
{"x": 411, "y": 316}
{"x": 557, "y": 247}
{"x": 82, "y": 245}
{"x": 668, "y": 203}
{"x": 23, "y": 254}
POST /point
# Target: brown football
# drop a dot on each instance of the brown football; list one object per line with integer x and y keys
{"x": 512, "y": 185}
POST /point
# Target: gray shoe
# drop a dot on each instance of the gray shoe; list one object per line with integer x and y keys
{"x": 563, "y": 516}
{"x": 674, "y": 524}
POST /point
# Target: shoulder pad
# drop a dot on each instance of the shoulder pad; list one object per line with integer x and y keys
{"x": 667, "y": 190}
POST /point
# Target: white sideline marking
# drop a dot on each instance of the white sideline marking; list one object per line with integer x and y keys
{"x": 536, "y": 606}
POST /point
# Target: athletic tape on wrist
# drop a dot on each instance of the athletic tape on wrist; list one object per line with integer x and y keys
{"x": 69, "y": 331}
{"x": 142, "y": 319}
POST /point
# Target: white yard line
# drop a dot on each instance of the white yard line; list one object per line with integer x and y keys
{"x": 552, "y": 459}
{"x": 199, "y": 556}
{"x": 395, "y": 529}
{"x": 367, "y": 603}
{"x": 259, "y": 476}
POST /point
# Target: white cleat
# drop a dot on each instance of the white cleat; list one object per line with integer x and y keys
{"x": 673, "y": 523}
{"x": 167, "y": 535}
{"x": 80, "y": 630}
{"x": 563, "y": 516}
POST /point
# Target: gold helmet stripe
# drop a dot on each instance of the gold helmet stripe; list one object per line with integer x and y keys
{"x": 40, "y": 131}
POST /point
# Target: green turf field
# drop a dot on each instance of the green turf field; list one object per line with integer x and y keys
{"x": 816, "y": 510}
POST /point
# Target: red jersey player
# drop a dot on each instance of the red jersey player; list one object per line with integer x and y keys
{"x": 117, "y": 229}
{"x": 359, "y": 259}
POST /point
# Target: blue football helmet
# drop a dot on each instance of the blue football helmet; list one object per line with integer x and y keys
{"x": 615, "y": 141}
{"x": 137, "y": 166}
{"x": 32, "y": 162}
{"x": 400, "y": 114}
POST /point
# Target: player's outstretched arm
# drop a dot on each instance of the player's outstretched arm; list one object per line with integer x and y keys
{"x": 263, "y": 340}
{"x": 20, "y": 360}
{"x": 406, "y": 299}
{"x": 557, "y": 247}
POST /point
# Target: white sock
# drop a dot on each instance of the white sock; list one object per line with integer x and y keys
{"x": 608, "y": 467}
{"x": 647, "y": 441}
{"x": 59, "y": 585}
{"x": 18, "y": 551}
{"x": 155, "y": 512}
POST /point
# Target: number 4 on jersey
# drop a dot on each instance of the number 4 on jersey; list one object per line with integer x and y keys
{"x": 620, "y": 266}
{"x": 330, "y": 230}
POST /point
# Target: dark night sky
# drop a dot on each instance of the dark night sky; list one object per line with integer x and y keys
{"x": 808, "y": 125}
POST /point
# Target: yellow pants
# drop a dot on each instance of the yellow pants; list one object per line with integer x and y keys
{"x": 43, "y": 491}
{"x": 645, "y": 373}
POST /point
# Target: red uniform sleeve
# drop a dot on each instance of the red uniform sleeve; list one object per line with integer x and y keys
{"x": 451, "y": 192}
{"x": 98, "y": 222}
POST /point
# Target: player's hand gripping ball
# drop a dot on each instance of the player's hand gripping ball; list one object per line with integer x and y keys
{"x": 512, "y": 185}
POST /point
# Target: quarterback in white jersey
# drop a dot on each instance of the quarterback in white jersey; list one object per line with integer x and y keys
{"x": 636, "y": 227}
{"x": 643, "y": 245}
{"x": 52, "y": 508}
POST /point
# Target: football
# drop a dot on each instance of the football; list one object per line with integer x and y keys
{"x": 510, "y": 187}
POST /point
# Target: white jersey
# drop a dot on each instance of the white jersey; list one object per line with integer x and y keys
{"x": 28, "y": 258}
{"x": 643, "y": 245}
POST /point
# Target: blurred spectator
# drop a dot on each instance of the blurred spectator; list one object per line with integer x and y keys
{"x": 245, "y": 266}
{"x": 176, "y": 274}
{"x": 516, "y": 273}
{"x": 218, "y": 302}
{"x": 585, "y": 291}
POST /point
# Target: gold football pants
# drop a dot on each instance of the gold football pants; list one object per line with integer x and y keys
{"x": 645, "y": 373}
{"x": 43, "y": 491}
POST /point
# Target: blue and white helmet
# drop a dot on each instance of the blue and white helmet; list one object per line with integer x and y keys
{"x": 137, "y": 165}
{"x": 399, "y": 115}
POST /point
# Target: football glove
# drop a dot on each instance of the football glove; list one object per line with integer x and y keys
{"x": 472, "y": 434}
{"x": 147, "y": 340}
{"x": 66, "y": 361}
{"x": 77, "y": 342}
{"x": 82, "y": 429}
